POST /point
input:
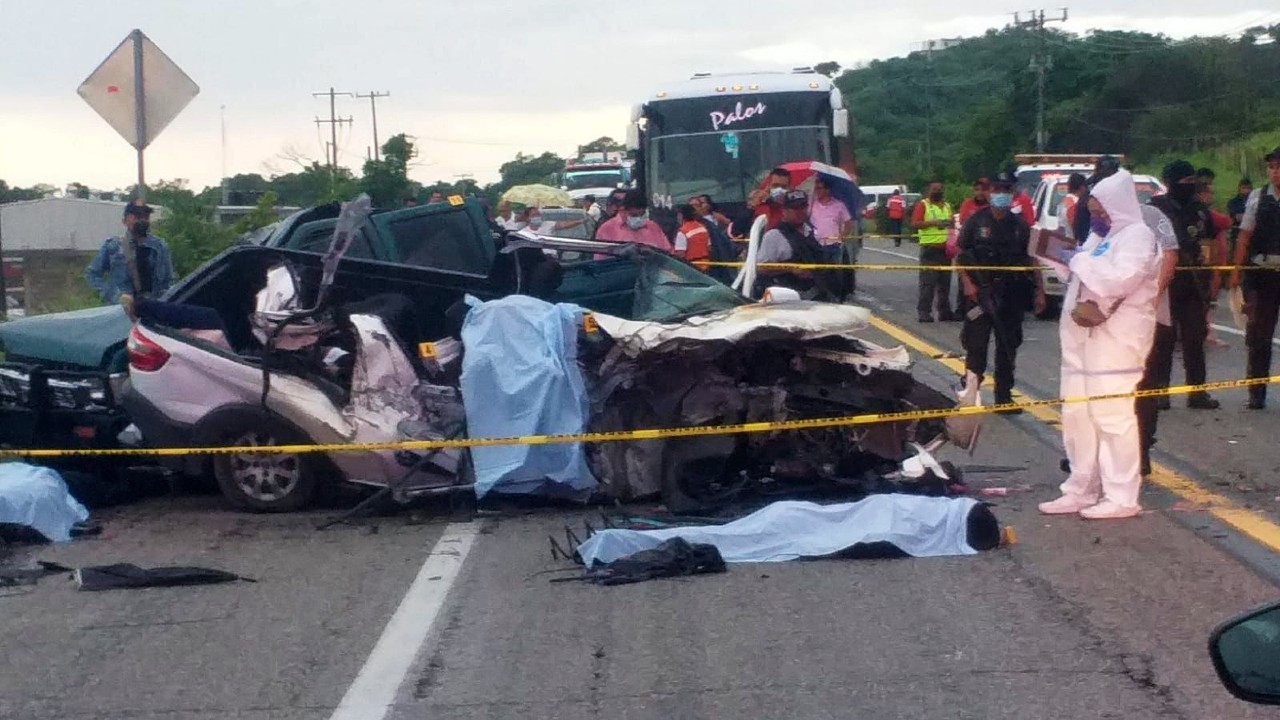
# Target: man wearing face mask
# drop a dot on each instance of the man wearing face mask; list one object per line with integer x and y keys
{"x": 135, "y": 268}
{"x": 1189, "y": 289}
{"x": 531, "y": 220}
{"x": 631, "y": 226}
{"x": 779, "y": 186}
{"x": 932, "y": 218}
{"x": 993, "y": 235}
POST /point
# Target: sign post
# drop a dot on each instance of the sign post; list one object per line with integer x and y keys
{"x": 140, "y": 111}
{"x": 138, "y": 90}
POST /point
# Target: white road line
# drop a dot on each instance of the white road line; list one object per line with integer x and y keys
{"x": 892, "y": 252}
{"x": 1233, "y": 331}
{"x": 375, "y": 688}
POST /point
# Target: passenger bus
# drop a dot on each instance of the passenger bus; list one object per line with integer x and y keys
{"x": 720, "y": 135}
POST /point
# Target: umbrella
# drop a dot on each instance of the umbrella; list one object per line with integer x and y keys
{"x": 538, "y": 196}
{"x": 843, "y": 187}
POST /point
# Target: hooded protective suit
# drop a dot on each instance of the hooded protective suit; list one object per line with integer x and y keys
{"x": 1118, "y": 271}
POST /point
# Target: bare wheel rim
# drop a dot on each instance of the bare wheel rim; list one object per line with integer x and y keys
{"x": 262, "y": 476}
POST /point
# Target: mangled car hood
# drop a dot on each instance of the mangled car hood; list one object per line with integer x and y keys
{"x": 798, "y": 320}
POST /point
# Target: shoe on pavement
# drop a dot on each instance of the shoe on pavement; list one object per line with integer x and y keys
{"x": 1257, "y": 404}
{"x": 1066, "y": 505}
{"x": 1107, "y": 510}
{"x": 1007, "y": 400}
{"x": 925, "y": 318}
{"x": 1202, "y": 401}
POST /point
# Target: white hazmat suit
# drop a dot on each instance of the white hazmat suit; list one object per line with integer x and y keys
{"x": 1121, "y": 271}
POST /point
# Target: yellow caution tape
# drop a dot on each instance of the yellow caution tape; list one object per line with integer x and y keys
{"x": 950, "y": 268}
{"x": 632, "y": 435}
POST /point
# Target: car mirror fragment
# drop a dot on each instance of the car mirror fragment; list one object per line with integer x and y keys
{"x": 1246, "y": 654}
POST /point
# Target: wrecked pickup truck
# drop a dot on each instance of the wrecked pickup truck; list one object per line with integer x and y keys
{"x": 311, "y": 351}
{"x": 63, "y": 373}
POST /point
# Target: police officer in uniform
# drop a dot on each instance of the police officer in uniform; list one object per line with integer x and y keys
{"x": 1259, "y": 245}
{"x": 792, "y": 240}
{"x": 994, "y": 235}
{"x": 1189, "y": 289}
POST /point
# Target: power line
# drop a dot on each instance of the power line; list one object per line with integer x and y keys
{"x": 373, "y": 96}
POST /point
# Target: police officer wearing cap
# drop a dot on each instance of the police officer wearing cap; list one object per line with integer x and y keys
{"x": 792, "y": 240}
{"x": 134, "y": 268}
{"x": 1189, "y": 289}
{"x": 1259, "y": 246}
{"x": 997, "y": 300}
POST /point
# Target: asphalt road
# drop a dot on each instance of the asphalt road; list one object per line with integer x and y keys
{"x": 1104, "y": 620}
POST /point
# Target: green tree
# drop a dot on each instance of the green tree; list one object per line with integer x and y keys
{"x": 79, "y": 190}
{"x": 314, "y": 184}
{"x": 263, "y": 214}
{"x": 531, "y": 169}
{"x": 16, "y": 194}
{"x": 187, "y": 225}
{"x": 830, "y": 68}
{"x": 968, "y": 109}
{"x": 602, "y": 144}
{"x": 387, "y": 180}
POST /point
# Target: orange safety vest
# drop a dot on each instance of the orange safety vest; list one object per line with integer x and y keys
{"x": 896, "y": 206}
{"x": 1069, "y": 202}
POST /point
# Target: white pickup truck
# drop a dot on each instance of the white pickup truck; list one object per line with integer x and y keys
{"x": 1047, "y": 200}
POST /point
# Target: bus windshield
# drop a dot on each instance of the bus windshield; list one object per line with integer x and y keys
{"x": 727, "y": 165}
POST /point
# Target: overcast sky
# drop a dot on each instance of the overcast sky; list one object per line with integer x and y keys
{"x": 474, "y": 81}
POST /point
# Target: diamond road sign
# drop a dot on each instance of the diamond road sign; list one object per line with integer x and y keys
{"x": 138, "y": 67}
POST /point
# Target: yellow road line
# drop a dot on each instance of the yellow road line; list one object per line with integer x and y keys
{"x": 1250, "y": 523}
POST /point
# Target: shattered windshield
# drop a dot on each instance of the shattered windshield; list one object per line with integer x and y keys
{"x": 668, "y": 290}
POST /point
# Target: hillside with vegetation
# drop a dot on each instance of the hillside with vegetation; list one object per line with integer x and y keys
{"x": 965, "y": 111}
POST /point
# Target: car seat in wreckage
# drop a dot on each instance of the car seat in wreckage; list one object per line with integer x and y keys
{"x": 388, "y": 401}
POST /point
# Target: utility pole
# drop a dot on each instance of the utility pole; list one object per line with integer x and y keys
{"x": 334, "y": 121}
{"x": 928, "y": 47}
{"x": 225, "y": 189}
{"x": 373, "y": 96}
{"x": 1041, "y": 63}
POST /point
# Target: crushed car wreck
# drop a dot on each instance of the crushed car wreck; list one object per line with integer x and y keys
{"x": 757, "y": 363}
{"x": 339, "y": 349}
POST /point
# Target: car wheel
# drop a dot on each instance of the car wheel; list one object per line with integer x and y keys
{"x": 265, "y": 482}
{"x": 1052, "y": 308}
{"x": 700, "y": 473}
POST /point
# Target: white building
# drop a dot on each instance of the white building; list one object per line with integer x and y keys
{"x": 46, "y": 245}
{"x": 58, "y": 224}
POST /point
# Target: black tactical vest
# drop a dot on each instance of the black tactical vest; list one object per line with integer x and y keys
{"x": 1266, "y": 232}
